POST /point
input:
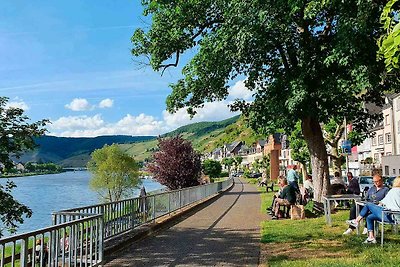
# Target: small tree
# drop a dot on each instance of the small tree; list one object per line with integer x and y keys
{"x": 212, "y": 168}
{"x": 228, "y": 162}
{"x": 115, "y": 173}
{"x": 16, "y": 136}
{"x": 176, "y": 164}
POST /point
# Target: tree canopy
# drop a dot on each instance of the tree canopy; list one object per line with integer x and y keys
{"x": 304, "y": 61}
{"x": 115, "y": 174}
{"x": 16, "y": 136}
{"x": 176, "y": 164}
{"x": 390, "y": 41}
{"x": 212, "y": 168}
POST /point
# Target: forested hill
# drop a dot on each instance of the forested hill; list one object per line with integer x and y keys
{"x": 201, "y": 128}
{"x": 74, "y": 152}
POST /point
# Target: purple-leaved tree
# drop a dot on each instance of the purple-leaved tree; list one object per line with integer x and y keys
{"x": 176, "y": 164}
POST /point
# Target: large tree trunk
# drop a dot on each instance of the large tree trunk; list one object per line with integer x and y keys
{"x": 319, "y": 158}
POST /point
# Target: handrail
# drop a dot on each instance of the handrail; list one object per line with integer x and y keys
{"x": 87, "y": 227}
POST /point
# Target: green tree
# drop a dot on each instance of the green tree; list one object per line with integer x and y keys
{"x": 304, "y": 61}
{"x": 16, "y": 136}
{"x": 390, "y": 41}
{"x": 238, "y": 161}
{"x": 228, "y": 163}
{"x": 212, "y": 168}
{"x": 299, "y": 149}
{"x": 115, "y": 174}
{"x": 176, "y": 164}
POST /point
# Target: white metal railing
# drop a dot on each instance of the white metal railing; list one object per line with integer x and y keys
{"x": 77, "y": 235}
{"x": 125, "y": 215}
{"x": 75, "y": 243}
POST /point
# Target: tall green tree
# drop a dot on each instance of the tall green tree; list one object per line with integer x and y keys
{"x": 228, "y": 163}
{"x": 176, "y": 164}
{"x": 16, "y": 136}
{"x": 299, "y": 149}
{"x": 211, "y": 168}
{"x": 304, "y": 61}
{"x": 115, "y": 174}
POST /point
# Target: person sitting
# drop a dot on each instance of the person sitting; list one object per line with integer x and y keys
{"x": 373, "y": 212}
{"x": 275, "y": 196}
{"x": 375, "y": 193}
{"x": 308, "y": 185}
{"x": 337, "y": 184}
{"x": 287, "y": 197}
{"x": 263, "y": 180}
{"x": 354, "y": 186}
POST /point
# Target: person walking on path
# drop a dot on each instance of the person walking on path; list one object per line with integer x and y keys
{"x": 223, "y": 232}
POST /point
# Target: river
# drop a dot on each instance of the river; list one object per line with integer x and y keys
{"x": 45, "y": 194}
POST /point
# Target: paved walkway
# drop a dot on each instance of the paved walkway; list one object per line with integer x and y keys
{"x": 224, "y": 233}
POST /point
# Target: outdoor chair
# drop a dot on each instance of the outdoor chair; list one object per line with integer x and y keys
{"x": 270, "y": 187}
{"x": 382, "y": 223}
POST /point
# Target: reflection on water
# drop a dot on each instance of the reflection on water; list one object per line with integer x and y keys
{"x": 45, "y": 194}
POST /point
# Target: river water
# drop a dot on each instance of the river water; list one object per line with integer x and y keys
{"x": 45, "y": 194}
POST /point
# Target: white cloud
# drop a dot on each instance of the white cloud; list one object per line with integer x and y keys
{"x": 17, "y": 103}
{"x": 106, "y": 103}
{"x": 84, "y": 126}
{"x": 79, "y": 104}
{"x": 240, "y": 91}
{"x": 77, "y": 123}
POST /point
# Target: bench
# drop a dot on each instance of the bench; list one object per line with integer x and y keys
{"x": 270, "y": 187}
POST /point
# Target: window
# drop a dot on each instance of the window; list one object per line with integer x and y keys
{"x": 388, "y": 153}
{"x": 380, "y": 139}
{"x": 387, "y": 120}
{"x": 374, "y": 139}
{"x": 388, "y": 138}
{"x": 376, "y": 157}
{"x": 386, "y": 170}
{"x": 394, "y": 171}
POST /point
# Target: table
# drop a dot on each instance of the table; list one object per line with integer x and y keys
{"x": 328, "y": 198}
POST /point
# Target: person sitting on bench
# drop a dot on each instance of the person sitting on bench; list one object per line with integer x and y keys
{"x": 287, "y": 197}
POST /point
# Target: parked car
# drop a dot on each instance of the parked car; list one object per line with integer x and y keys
{"x": 389, "y": 180}
{"x": 255, "y": 175}
{"x": 365, "y": 183}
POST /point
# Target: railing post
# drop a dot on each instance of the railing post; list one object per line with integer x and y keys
{"x": 101, "y": 239}
{"x": 154, "y": 209}
{"x": 24, "y": 252}
{"x": 169, "y": 203}
{"x": 180, "y": 198}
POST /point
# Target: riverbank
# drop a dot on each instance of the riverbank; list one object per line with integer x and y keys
{"x": 16, "y": 175}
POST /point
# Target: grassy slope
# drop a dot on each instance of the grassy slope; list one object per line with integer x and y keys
{"x": 205, "y": 136}
{"x": 311, "y": 242}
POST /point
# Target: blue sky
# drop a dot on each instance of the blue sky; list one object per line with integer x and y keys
{"x": 69, "y": 61}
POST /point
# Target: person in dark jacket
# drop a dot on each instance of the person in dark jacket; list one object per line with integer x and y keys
{"x": 287, "y": 197}
{"x": 354, "y": 186}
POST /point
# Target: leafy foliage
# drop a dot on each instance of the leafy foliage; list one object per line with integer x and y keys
{"x": 176, "y": 164}
{"x": 390, "y": 41}
{"x": 298, "y": 145}
{"x": 304, "y": 61}
{"x": 16, "y": 133}
{"x": 212, "y": 168}
{"x": 16, "y": 136}
{"x": 11, "y": 211}
{"x": 115, "y": 173}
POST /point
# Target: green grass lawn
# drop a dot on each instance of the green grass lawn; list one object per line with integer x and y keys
{"x": 311, "y": 242}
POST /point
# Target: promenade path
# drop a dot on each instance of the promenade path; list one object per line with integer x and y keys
{"x": 223, "y": 233}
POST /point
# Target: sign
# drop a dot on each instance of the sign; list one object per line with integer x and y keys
{"x": 346, "y": 147}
